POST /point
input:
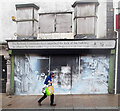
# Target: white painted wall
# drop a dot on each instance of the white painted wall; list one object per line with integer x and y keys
{"x": 7, "y": 27}
{"x": 7, "y": 9}
{"x": 101, "y": 21}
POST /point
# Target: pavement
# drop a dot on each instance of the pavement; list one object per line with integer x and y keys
{"x": 66, "y": 102}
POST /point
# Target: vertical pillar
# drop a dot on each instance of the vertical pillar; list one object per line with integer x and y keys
{"x": 111, "y": 72}
{"x": 8, "y": 75}
{"x": 110, "y": 19}
{"x": 118, "y": 70}
{"x": 12, "y": 75}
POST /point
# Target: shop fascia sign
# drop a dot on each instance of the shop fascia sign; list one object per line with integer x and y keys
{"x": 85, "y": 44}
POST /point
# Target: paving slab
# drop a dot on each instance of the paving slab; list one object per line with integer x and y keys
{"x": 64, "y": 102}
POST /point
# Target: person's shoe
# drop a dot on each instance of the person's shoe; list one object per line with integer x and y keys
{"x": 52, "y": 104}
{"x": 39, "y": 103}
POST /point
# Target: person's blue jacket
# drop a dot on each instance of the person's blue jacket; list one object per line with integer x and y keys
{"x": 48, "y": 79}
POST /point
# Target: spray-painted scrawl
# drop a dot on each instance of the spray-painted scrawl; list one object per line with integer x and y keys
{"x": 73, "y": 74}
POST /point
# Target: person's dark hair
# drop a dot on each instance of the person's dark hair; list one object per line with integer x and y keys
{"x": 51, "y": 73}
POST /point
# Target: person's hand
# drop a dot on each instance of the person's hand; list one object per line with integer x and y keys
{"x": 50, "y": 82}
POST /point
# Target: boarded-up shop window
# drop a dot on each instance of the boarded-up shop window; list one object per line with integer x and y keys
{"x": 27, "y": 21}
{"x": 63, "y": 23}
{"x": 86, "y": 10}
{"x": 55, "y": 23}
{"x": 85, "y": 18}
{"x": 24, "y": 28}
{"x": 24, "y": 13}
{"x": 86, "y": 25}
{"x": 46, "y": 23}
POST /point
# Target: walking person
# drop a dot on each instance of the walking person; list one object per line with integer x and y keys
{"x": 48, "y": 81}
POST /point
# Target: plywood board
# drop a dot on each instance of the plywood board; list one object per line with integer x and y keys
{"x": 46, "y": 23}
{"x": 86, "y": 10}
{"x": 73, "y": 74}
{"x": 24, "y": 13}
{"x": 35, "y": 14}
{"x": 86, "y": 25}
{"x": 64, "y": 23}
{"x": 35, "y": 28}
{"x": 24, "y": 28}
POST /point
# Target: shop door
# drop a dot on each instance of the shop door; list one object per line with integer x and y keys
{"x": 3, "y": 76}
{"x": 66, "y": 70}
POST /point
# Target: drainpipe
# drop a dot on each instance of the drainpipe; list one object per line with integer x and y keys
{"x": 116, "y": 61}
